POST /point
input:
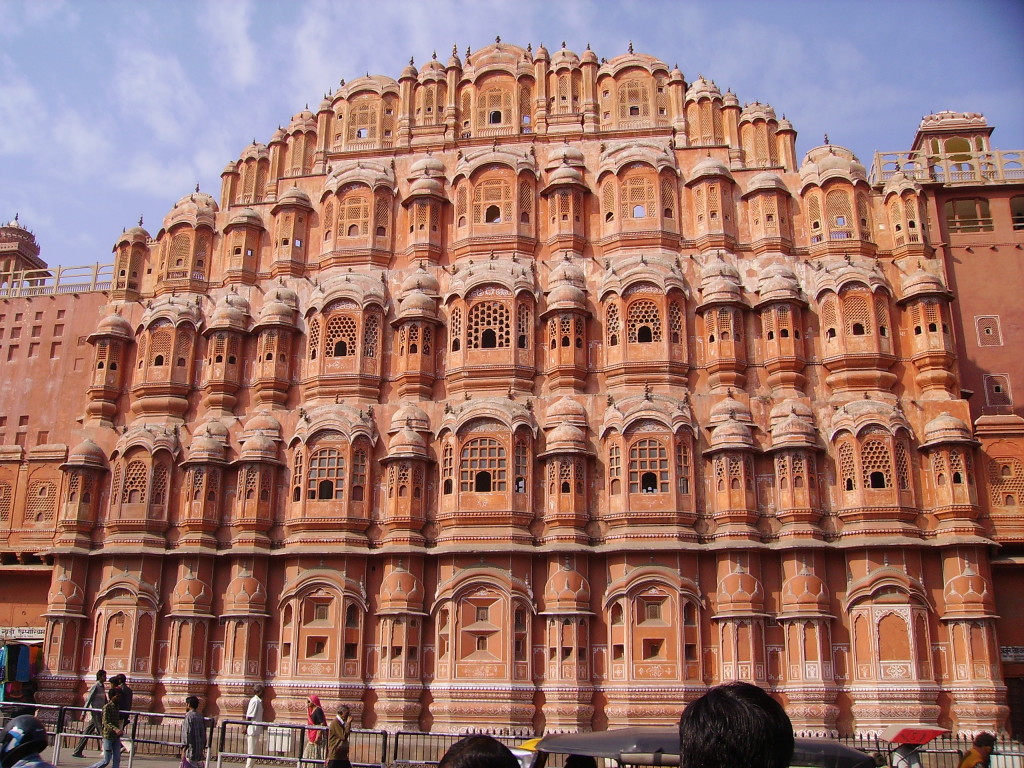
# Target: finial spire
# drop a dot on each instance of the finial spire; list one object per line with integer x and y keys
{"x": 497, "y": 39}
{"x": 826, "y": 140}
{"x": 197, "y": 186}
{"x": 630, "y": 46}
{"x": 140, "y": 219}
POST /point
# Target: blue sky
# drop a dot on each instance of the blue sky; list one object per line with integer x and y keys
{"x": 110, "y": 109}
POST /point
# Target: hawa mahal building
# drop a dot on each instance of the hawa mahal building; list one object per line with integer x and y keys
{"x": 537, "y": 391}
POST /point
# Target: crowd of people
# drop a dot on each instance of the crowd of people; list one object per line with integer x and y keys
{"x": 734, "y": 724}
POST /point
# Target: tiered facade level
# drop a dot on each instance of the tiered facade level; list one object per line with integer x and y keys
{"x": 538, "y": 392}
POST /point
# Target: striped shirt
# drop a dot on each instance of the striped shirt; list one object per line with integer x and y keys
{"x": 193, "y": 736}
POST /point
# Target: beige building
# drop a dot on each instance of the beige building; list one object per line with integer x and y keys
{"x": 534, "y": 391}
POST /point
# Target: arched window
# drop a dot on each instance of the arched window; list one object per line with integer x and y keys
{"x": 644, "y": 322}
{"x": 354, "y": 214}
{"x": 483, "y": 466}
{"x": 326, "y": 477}
{"x": 492, "y": 201}
{"x": 876, "y": 463}
{"x": 340, "y": 336}
{"x": 489, "y": 325}
{"x": 648, "y": 467}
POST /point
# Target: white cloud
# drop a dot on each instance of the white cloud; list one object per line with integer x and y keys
{"x": 82, "y": 142}
{"x": 154, "y": 90}
{"x": 22, "y": 112}
{"x": 166, "y": 177}
{"x": 225, "y": 25}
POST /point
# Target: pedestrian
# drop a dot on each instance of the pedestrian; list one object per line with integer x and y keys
{"x": 94, "y": 700}
{"x": 479, "y": 751}
{"x": 979, "y": 754}
{"x": 315, "y": 738}
{"x": 111, "y": 730}
{"x": 254, "y": 714}
{"x": 735, "y": 724}
{"x": 125, "y": 705}
{"x": 22, "y": 740}
{"x": 193, "y": 735}
{"x": 338, "y": 739}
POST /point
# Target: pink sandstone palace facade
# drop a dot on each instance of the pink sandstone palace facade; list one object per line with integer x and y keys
{"x": 539, "y": 392}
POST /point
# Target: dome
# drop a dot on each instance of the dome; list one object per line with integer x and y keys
{"x": 417, "y": 304}
{"x": 325, "y": 105}
{"x": 721, "y": 290}
{"x": 805, "y": 593}
{"x": 429, "y": 166}
{"x": 790, "y": 408}
{"x": 279, "y": 136}
{"x": 564, "y": 58}
{"x": 567, "y": 589}
{"x": 718, "y": 267}
{"x": 708, "y": 167}
{"x": 731, "y": 435}
{"x": 65, "y": 595}
{"x": 409, "y": 71}
{"x": 195, "y": 209}
{"x": 541, "y": 54}
{"x": 784, "y": 125}
{"x": 279, "y": 307}
{"x": 566, "y": 296}
{"x": 412, "y": 416}
{"x": 757, "y": 111}
{"x": 703, "y": 89}
{"x": 729, "y": 408}
{"x": 433, "y": 69}
{"x": 566, "y": 410}
{"x": 968, "y": 593}
{"x": 231, "y": 313}
{"x": 87, "y": 454}
{"x": 400, "y": 590}
{"x": 255, "y": 151}
{"x": 426, "y": 186}
{"x": 303, "y": 121}
{"x": 566, "y": 437}
{"x": 565, "y": 175}
{"x": 114, "y": 325}
{"x": 246, "y": 217}
{"x": 407, "y": 442}
{"x": 794, "y": 431}
{"x": 899, "y": 183}
{"x": 133, "y": 236}
{"x": 766, "y": 180}
{"x": 730, "y": 99}
{"x": 263, "y": 422}
{"x": 209, "y": 443}
{"x": 920, "y": 282}
{"x": 830, "y": 162}
{"x": 740, "y": 591}
{"x": 245, "y": 594}
{"x": 421, "y": 280}
{"x": 259, "y": 448}
{"x": 588, "y": 57}
{"x": 567, "y": 271}
{"x": 945, "y": 428}
{"x": 293, "y": 197}
{"x": 778, "y": 283}
{"x": 191, "y": 595}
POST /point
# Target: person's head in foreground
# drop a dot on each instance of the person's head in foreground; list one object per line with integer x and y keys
{"x": 23, "y": 736}
{"x": 478, "y": 752}
{"x": 985, "y": 743}
{"x": 735, "y": 724}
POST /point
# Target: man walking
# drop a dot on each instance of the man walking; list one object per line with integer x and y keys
{"x": 94, "y": 700}
{"x": 254, "y": 714}
{"x": 124, "y": 704}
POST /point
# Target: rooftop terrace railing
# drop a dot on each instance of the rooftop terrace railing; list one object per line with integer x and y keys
{"x": 54, "y": 280}
{"x": 993, "y": 167}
